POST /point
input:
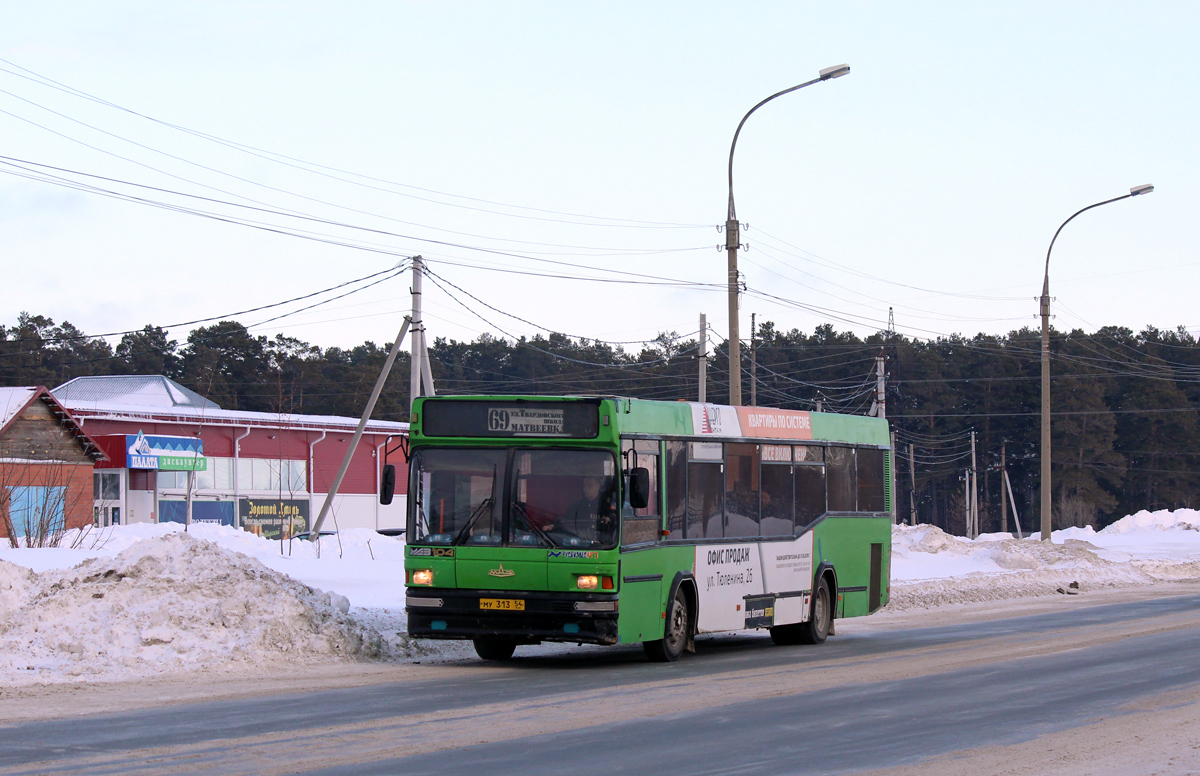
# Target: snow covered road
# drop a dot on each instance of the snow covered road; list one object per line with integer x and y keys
{"x": 901, "y": 688}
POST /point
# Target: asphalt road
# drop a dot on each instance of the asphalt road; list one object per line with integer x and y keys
{"x": 739, "y": 706}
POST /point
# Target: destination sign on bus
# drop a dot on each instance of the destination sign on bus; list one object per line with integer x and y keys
{"x": 465, "y": 418}
{"x": 521, "y": 421}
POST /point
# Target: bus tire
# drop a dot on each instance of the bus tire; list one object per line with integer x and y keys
{"x": 495, "y": 648}
{"x": 816, "y": 629}
{"x": 678, "y": 629}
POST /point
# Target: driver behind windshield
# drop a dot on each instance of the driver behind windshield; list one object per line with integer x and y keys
{"x": 590, "y": 517}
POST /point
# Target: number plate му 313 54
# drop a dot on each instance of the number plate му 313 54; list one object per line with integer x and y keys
{"x": 502, "y": 604}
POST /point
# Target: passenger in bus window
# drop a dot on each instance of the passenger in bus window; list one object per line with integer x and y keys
{"x": 591, "y": 516}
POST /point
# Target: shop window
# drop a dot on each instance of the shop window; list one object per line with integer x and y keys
{"x": 741, "y": 490}
{"x": 106, "y": 486}
{"x": 175, "y": 511}
{"x": 870, "y": 479}
{"x": 171, "y": 480}
{"x": 843, "y": 483}
{"x": 297, "y": 476}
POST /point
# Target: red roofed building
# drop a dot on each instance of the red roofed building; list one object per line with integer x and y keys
{"x": 263, "y": 471}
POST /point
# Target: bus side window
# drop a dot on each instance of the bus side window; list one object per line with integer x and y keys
{"x": 741, "y": 489}
{"x": 843, "y": 484}
{"x": 639, "y": 526}
{"x": 870, "y": 480}
{"x": 706, "y": 490}
{"x": 676, "y": 460}
{"x": 775, "y": 496}
{"x": 810, "y": 494}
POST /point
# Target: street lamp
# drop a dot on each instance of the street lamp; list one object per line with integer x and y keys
{"x": 1045, "y": 483}
{"x": 733, "y": 238}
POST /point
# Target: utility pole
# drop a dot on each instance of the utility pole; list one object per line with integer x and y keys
{"x": 879, "y": 406}
{"x": 753, "y": 365}
{"x": 416, "y": 340}
{"x": 421, "y": 373}
{"x": 703, "y": 357}
{"x": 912, "y": 487}
{"x": 974, "y": 492}
{"x": 1044, "y": 485}
{"x": 732, "y": 236}
{"x": 967, "y": 501}
{"x": 1003, "y": 501}
{"x": 892, "y": 479}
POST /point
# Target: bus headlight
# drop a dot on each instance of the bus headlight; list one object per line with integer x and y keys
{"x": 422, "y": 577}
{"x": 587, "y": 582}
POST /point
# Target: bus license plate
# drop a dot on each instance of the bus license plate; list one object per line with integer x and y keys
{"x": 503, "y": 604}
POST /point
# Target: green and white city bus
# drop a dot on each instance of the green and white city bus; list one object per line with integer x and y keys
{"x": 614, "y": 521}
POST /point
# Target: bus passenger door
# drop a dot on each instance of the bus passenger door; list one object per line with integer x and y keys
{"x": 641, "y": 570}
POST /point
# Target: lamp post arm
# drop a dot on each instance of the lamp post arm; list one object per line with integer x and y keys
{"x": 733, "y": 145}
{"x": 1069, "y": 220}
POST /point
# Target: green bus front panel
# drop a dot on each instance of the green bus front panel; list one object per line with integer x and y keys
{"x": 845, "y": 543}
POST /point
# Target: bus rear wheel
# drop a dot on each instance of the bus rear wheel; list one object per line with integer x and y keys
{"x": 816, "y": 630}
{"x": 495, "y": 648}
{"x": 670, "y": 647}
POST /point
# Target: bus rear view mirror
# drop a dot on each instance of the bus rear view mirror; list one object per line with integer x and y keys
{"x": 387, "y": 485}
{"x": 639, "y": 487}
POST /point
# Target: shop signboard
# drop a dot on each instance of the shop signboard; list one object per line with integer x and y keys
{"x": 165, "y": 453}
{"x": 273, "y": 518}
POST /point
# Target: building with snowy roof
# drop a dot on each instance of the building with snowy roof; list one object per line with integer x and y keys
{"x": 46, "y": 467}
{"x": 266, "y": 472}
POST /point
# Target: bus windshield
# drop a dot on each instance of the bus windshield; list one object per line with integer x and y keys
{"x": 557, "y": 498}
{"x": 457, "y": 496}
{"x": 565, "y": 498}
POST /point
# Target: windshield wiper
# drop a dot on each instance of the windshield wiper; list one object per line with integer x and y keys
{"x": 536, "y": 529}
{"x": 485, "y": 504}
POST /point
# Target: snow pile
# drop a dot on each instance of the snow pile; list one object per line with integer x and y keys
{"x": 933, "y": 568}
{"x": 169, "y": 604}
{"x": 1163, "y": 520}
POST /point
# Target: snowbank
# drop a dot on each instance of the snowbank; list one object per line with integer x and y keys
{"x": 173, "y": 603}
{"x": 145, "y": 599}
{"x": 932, "y": 568}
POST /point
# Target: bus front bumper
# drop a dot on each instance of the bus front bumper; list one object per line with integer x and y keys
{"x": 440, "y": 613}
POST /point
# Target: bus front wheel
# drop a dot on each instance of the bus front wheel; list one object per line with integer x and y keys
{"x": 670, "y": 647}
{"x": 816, "y": 629}
{"x": 495, "y": 649}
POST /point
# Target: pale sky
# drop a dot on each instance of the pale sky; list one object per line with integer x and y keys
{"x": 929, "y": 180}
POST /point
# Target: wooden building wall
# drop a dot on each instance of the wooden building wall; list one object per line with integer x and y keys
{"x": 36, "y": 451}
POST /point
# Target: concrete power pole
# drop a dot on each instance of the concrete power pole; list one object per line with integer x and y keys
{"x": 421, "y": 374}
{"x": 1003, "y": 501}
{"x": 967, "y": 501}
{"x": 879, "y": 405}
{"x": 732, "y": 237}
{"x": 974, "y": 492}
{"x": 892, "y": 479}
{"x": 703, "y": 358}
{"x": 415, "y": 360}
{"x": 912, "y": 487}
